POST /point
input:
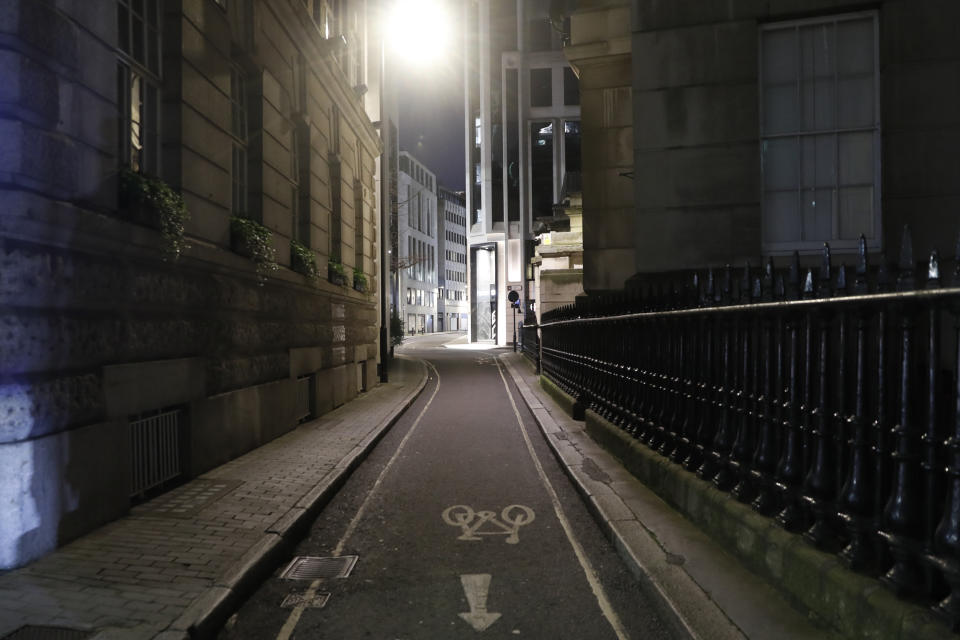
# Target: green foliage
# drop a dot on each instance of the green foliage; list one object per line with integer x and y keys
{"x": 336, "y": 273}
{"x": 252, "y": 239}
{"x": 303, "y": 261}
{"x": 396, "y": 329}
{"x": 157, "y": 205}
{"x": 359, "y": 281}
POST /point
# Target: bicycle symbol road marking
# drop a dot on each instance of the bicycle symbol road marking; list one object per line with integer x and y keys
{"x": 471, "y": 522}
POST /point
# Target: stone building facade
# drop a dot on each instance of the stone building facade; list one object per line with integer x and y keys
{"x": 452, "y": 305}
{"x": 417, "y": 232}
{"x": 111, "y": 341}
{"x": 760, "y": 128}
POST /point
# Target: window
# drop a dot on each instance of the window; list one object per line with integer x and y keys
{"x": 541, "y": 87}
{"x": 138, "y": 84}
{"x": 541, "y": 168}
{"x": 571, "y": 88}
{"x": 239, "y": 204}
{"x": 820, "y": 132}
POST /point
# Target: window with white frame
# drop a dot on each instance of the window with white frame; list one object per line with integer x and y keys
{"x": 820, "y": 132}
{"x": 138, "y": 84}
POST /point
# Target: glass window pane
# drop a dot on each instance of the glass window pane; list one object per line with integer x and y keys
{"x": 817, "y": 57}
{"x": 571, "y": 146}
{"x": 819, "y": 161}
{"x": 779, "y": 158}
{"x": 780, "y": 110}
{"x": 780, "y": 57}
{"x": 571, "y": 87}
{"x": 819, "y": 105}
{"x": 856, "y": 102}
{"x": 817, "y": 210}
{"x": 856, "y": 212}
{"x": 856, "y": 158}
{"x": 123, "y": 28}
{"x": 541, "y": 87}
{"x": 855, "y": 46}
{"x": 781, "y": 222}
{"x": 541, "y": 168}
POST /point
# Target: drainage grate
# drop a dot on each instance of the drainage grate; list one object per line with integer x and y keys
{"x": 313, "y": 567}
{"x": 33, "y": 632}
{"x": 293, "y": 600}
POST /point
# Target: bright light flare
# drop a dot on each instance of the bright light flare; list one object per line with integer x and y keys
{"x": 419, "y": 30}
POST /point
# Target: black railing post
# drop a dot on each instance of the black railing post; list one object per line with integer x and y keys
{"x": 902, "y": 522}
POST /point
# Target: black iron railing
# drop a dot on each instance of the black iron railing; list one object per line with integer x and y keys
{"x": 828, "y": 400}
{"x": 530, "y": 340}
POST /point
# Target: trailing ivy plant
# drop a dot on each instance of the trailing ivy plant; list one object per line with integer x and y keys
{"x": 251, "y": 239}
{"x": 359, "y": 281}
{"x": 303, "y": 261}
{"x": 150, "y": 201}
{"x": 396, "y": 329}
{"x": 336, "y": 272}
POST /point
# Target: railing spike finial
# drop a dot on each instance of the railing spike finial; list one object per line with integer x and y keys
{"x": 779, "y": 288}
{"x": 757, "y": 292}
{"x": 726, "y": 285}
{"x": 808, "y": 288}
{"x": 841, "y": 286}
{"x": 768, "y": 279}
{"x": 793, "y": 276}
{"x": 826, "y": 273}
{"x": 861, "y": 284}
{"x": 709, "y": 288}
{"x": 905, "y": 280}
{"x": 745, "y": 283}
{"x": 696, "y": 295}
{"x": 933, "y": 270}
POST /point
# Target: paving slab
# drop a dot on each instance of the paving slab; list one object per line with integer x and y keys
{"x": 175, "y": 565}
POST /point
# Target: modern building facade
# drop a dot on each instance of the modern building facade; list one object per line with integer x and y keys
{"x": 522, "y": 106}
{"x": 127, "y": 326}
{"x": 453, "y": 312}
{"x": 417, "y": 240}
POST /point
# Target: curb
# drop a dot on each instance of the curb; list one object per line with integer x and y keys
{"x": 680, "y": 601}
{"x": 815, "y": 582}
{"x": 208, "y": 612}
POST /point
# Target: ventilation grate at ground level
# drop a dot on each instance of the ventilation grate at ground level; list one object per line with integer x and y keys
{"x": 33, "y": 632}
{"x": 314, "y": 567}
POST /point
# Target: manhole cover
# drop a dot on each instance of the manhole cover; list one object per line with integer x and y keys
{"x": 314, "y": 567}
{"x": 318, "y": 601}
{"x": 32, "y": 632}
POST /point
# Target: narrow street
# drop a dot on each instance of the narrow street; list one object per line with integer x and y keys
{"x": 463, "y": 525}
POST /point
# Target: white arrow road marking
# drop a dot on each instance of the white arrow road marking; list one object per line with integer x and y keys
{"x": 475, "y": 587}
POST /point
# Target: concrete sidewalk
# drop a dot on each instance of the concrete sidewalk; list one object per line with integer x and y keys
{"x": 177, "y": 565}
{"x": 703, "y": 590}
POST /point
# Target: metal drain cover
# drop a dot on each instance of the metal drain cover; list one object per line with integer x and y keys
{"x": 318, "y": 601}
{"x": 33, "y": 632}
{"x": 314, "y": 567}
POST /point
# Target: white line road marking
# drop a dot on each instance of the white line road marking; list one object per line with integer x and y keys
{"x": 470, "y": 521}
{"x": 287, "y": 629}
{"x": 605, "y": 607}
{"x": 475, "y": 587}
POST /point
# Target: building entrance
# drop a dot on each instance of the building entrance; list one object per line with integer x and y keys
{"x": 483, "y": 272}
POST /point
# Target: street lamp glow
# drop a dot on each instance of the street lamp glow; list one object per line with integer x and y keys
{"x": 418, "y": 30}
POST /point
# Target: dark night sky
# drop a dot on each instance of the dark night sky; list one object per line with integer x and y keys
{"x": 431, "y": 114}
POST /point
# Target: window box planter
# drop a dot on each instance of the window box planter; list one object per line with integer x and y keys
{"x": 336, "y": 273}
{"x": 148, "y": 201}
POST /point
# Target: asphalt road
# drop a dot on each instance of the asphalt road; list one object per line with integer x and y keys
{"x": 464, "y": 526}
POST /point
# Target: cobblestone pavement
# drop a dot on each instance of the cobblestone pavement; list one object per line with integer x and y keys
{"x": 175, "y": 561}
